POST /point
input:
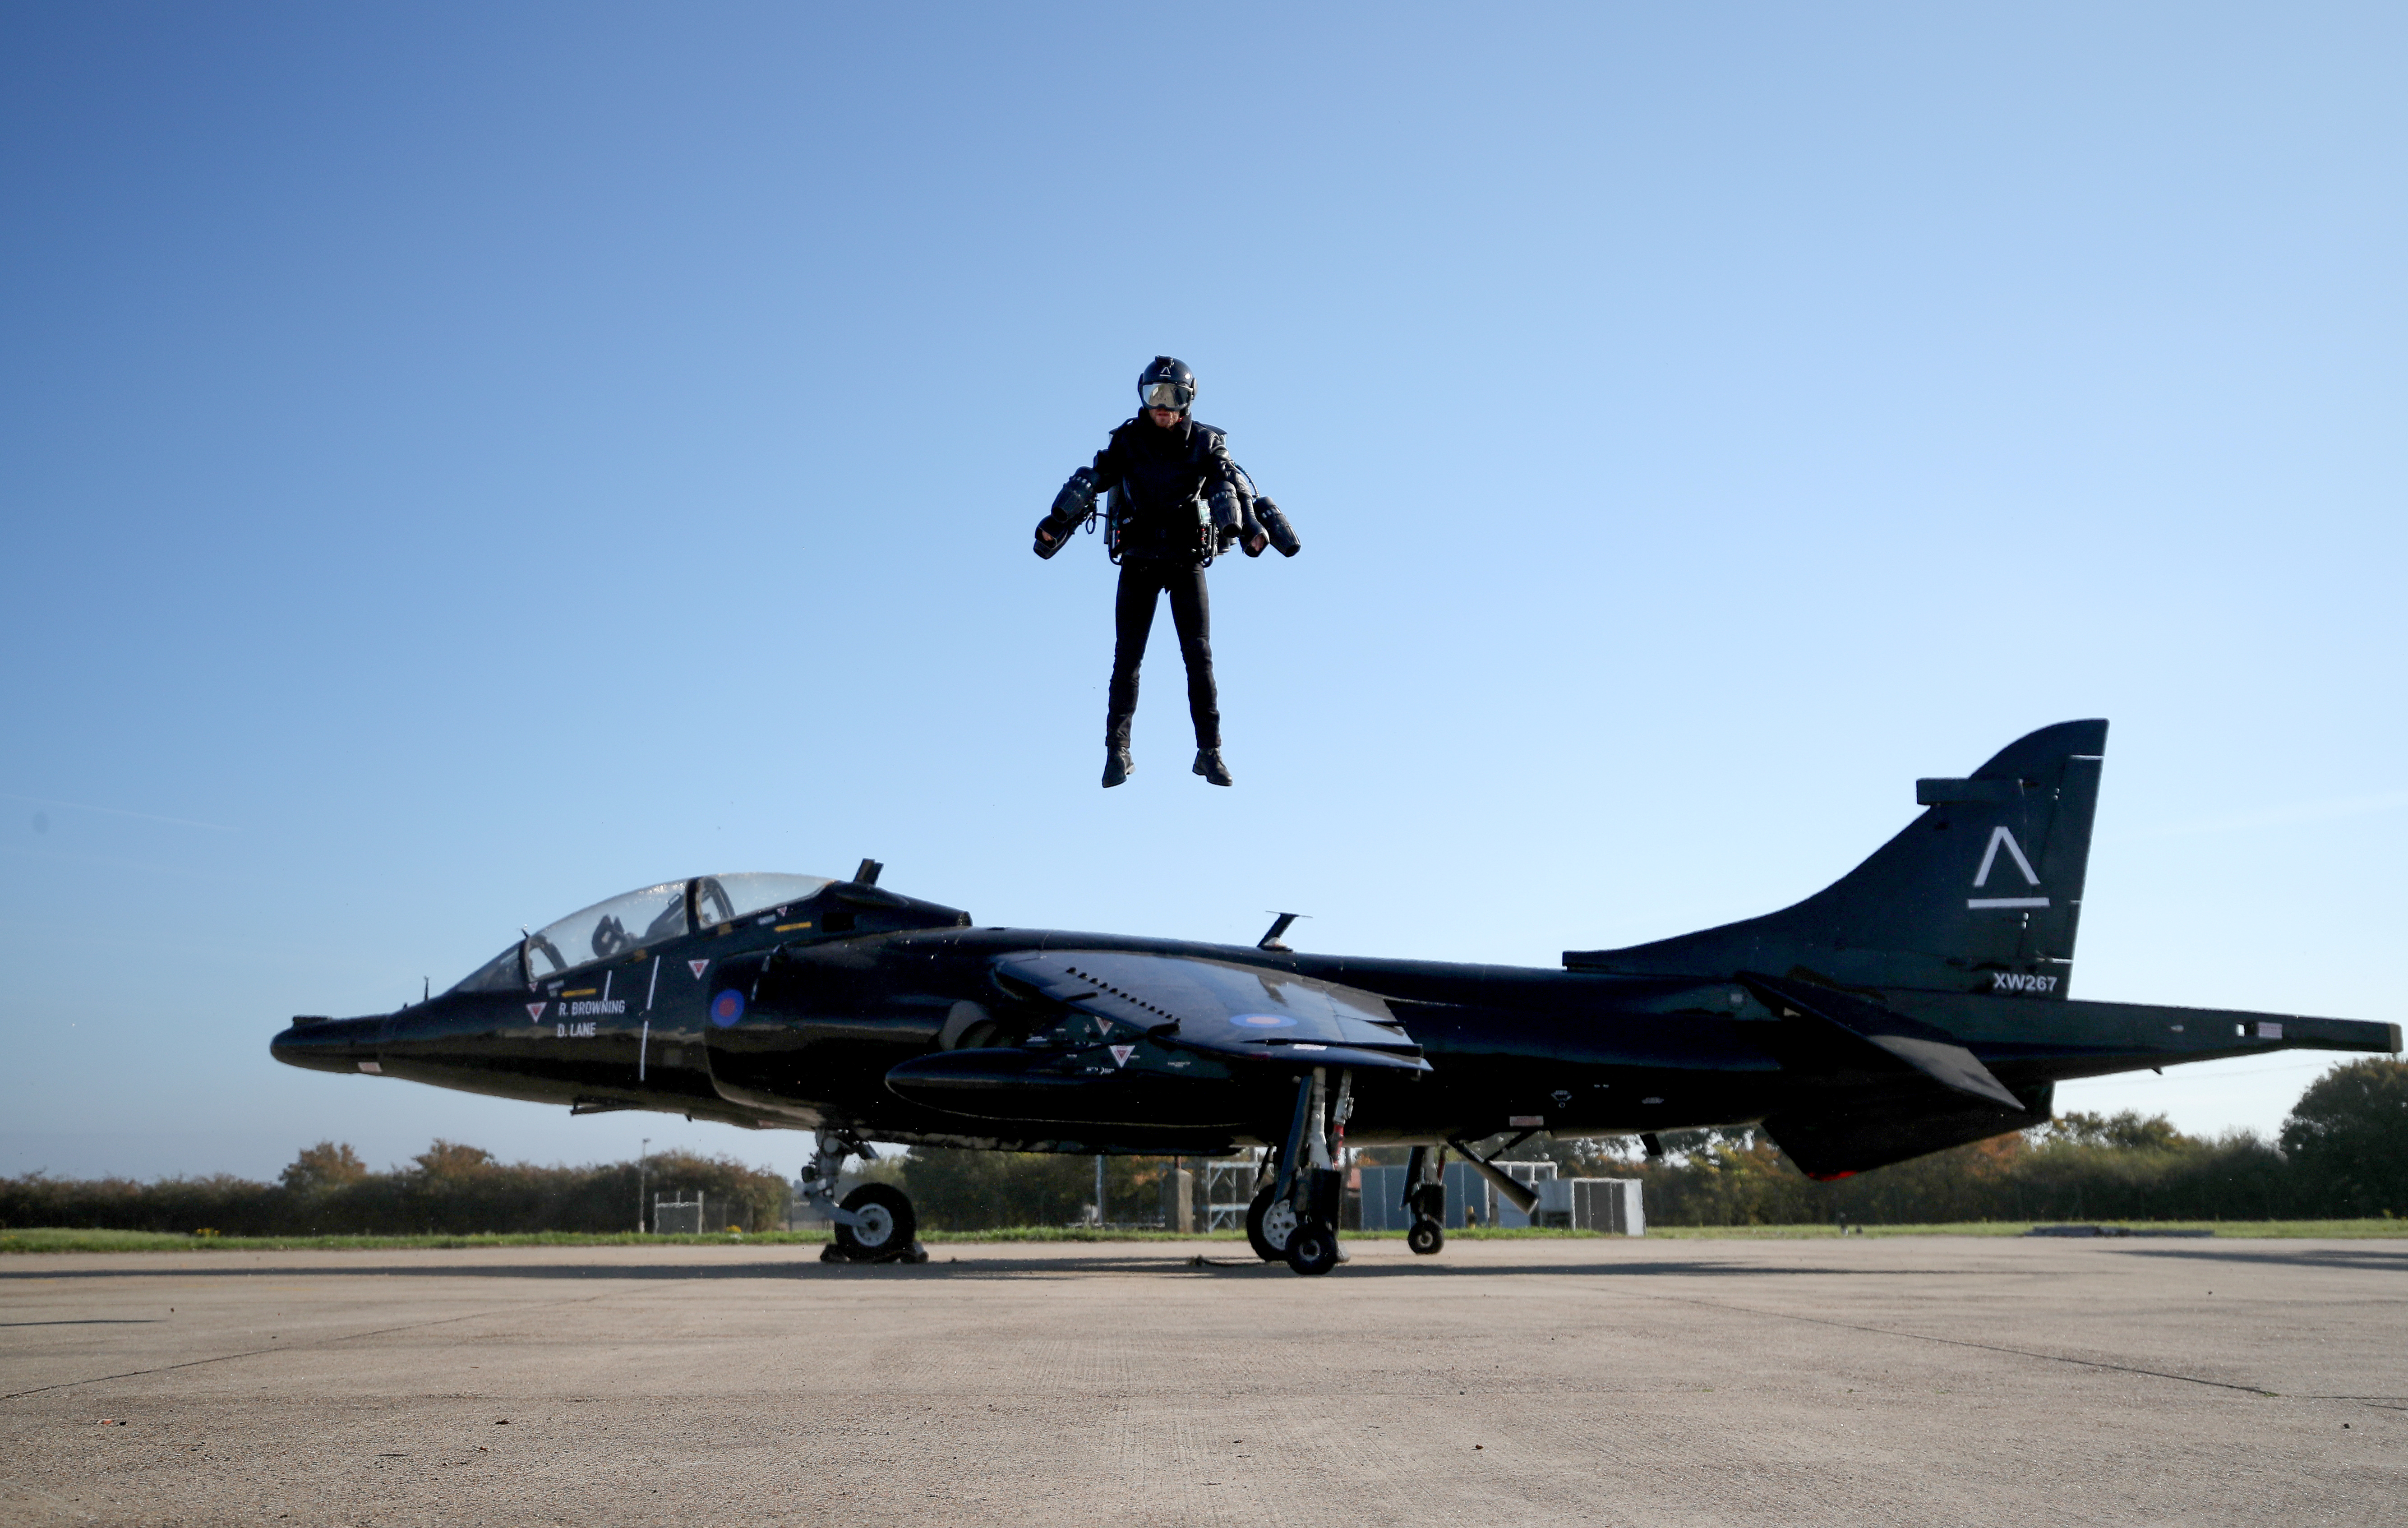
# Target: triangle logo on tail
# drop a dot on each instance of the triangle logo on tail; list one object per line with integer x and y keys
{"x": 2003, "y": 837}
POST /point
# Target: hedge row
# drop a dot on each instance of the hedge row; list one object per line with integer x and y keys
{"x": 449, "y": 1189}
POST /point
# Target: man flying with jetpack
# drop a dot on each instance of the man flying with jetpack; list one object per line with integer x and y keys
{"x": 1174, "y": 501}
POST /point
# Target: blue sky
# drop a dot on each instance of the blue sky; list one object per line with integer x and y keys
{"x": 461, "y": 462}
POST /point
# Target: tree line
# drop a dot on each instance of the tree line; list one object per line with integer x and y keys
{"x": 2343, "y": 1153}
{"x": 448, "y": 1189}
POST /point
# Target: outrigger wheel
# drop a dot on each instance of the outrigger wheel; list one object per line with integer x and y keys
{"x": 1427, "y": 1236}
{"x": 886, "y": 1231}
{"x": 1269, "y": 1224}
{"x": 1312, "y": 1247}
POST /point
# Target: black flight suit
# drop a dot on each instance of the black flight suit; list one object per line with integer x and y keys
{"x": 1162, "y": 477}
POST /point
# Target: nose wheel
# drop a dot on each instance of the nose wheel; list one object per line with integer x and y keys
{"x": 875, "y": 1223}
{"x": 1294, "y": 1218}
{"x": 883, "y": 1229}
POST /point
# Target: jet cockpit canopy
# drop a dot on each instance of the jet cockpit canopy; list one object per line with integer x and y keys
{"x": 636, "y": 920}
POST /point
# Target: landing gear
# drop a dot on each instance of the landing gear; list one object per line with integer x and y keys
{"x": 1312, "y": 1247}
{"x": 1295, "y": 1216}
{"x": 1425, "y": 1197}
{"x": 875, "y": 1223}
{"x": 884, "y": 1226}
{"x": 1270, "y": 1221}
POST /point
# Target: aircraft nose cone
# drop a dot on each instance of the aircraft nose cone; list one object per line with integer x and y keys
{"x": 329, "y": 1045}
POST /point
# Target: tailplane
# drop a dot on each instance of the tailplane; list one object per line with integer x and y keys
{"x": 1982, "y": 893}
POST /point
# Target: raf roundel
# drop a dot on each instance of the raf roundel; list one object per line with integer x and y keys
{"x": 727, "y": 1008}
{"x": 1264, "y": 1021}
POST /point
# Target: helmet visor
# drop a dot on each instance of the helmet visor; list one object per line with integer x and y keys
{"x": 1166, "y": 395}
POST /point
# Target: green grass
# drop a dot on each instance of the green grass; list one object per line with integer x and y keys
{"x": 2017, "y": 1228}
{"x": 1079, "y": 1233}
{"x": 47, "y": 1239}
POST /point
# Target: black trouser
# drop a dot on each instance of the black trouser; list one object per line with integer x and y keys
{"x": 1191, "y": 612}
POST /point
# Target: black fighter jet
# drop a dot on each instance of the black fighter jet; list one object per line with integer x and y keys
{"x": 1919, "y": 1003}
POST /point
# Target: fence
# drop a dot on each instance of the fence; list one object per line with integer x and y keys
{"x": 1608, "y": 1206}
{"x": 702, "y": 1214}
{"x": 1468, "y": 1194}
{"x": 1228, "y": 1189}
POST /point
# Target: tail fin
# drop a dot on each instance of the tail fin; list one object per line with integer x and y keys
{"x": 1981, "y": 893}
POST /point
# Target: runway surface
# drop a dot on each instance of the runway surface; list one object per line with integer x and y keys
{"x": 1922, "y": 1381}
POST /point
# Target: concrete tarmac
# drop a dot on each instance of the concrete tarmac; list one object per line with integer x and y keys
{"x": 1866, "y": 1380}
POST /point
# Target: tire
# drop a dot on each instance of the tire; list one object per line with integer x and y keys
{"x": 1311, "y": 1248}
{"x": 888, "y": 1227}
{"x": 1426, "y": 1237}
{"x": 1268, "y": 1227}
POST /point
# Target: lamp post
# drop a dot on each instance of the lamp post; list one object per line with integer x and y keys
{"x": 644, "y": 1167}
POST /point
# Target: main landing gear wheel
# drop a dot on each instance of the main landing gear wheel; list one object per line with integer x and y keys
{"x": 1312, "y": 1247}
{"x": 1426, "y": 1237}
{"x": 1268, "y": 1225}
{"x": 887, "y": 1228}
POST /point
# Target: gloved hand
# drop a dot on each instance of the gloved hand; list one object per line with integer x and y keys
{"x": 1052, "y": 536}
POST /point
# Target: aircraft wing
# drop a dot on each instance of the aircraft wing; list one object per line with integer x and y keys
{"x": 1224, "y": 1010}
{"x": 1845, "y": 1021}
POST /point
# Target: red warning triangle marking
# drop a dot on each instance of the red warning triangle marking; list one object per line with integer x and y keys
{"x": 1122, "y": 1053}
{"x": 535, "y": 1010}
{"x": 696, "y": 967}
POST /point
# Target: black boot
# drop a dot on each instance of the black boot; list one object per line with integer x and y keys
{"x": 1118, "y": 765}
{"x": 1209, "y": 765}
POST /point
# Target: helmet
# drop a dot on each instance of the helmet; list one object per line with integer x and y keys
{"x": 1165, "y": 384}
